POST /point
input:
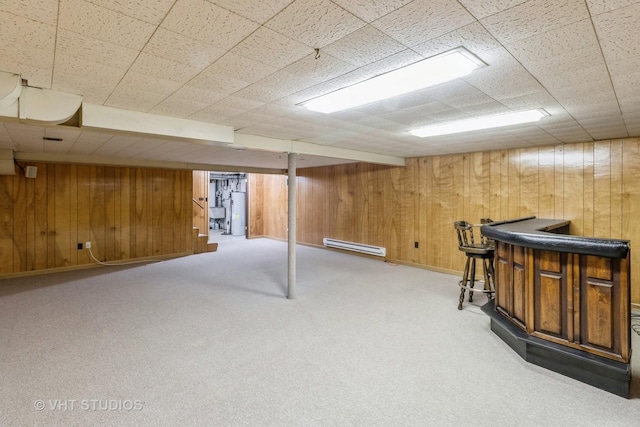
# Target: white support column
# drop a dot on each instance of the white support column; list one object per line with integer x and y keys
{"x": 291, "y": 179}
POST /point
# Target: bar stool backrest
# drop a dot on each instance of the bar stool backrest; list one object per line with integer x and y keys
{"x": 464, "y": 230}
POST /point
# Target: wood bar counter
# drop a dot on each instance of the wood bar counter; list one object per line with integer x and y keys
{"x": 563, "y": 302}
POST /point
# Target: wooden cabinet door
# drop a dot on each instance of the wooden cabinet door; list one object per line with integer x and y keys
{"x": 550, "y": 294}
{"x": 604, "y": 298}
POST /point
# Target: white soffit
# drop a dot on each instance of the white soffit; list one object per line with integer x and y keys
{"x": 115, "y": 119}
{"x": 255, "y": 142}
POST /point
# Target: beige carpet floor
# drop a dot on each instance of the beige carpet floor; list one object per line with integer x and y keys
{"x": 211, "y": 340}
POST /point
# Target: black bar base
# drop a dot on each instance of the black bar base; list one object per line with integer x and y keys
{"x": 606, "y": 374}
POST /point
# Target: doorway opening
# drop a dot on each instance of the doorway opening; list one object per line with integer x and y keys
{"x": 227, "y": 205}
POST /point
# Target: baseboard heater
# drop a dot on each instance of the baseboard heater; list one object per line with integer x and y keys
{"x": 356, "y": 247}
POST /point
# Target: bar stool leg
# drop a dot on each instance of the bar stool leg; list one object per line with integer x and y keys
{"x": 487, "y": 281}
{"x": 463, "y": 283}
{"x": 473, "y": 278}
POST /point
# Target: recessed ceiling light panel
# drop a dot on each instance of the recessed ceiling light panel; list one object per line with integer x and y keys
{"x": 480, "y": 123}
{"x": 441, "y": 68}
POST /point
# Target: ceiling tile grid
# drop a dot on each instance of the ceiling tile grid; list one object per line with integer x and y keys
{"x": 316, "y": 23}
{"x": 103, "y": 24}
{"x": 250, "y": 64}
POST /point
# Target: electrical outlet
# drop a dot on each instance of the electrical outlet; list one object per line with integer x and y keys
{"x": 87, "y": 245}
{"x": 416, "y": 245}
{"x": 79, "y": 246}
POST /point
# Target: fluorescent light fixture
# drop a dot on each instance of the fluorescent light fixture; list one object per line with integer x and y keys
{"x": 428, "y": 72}
{"x": 480, "y": 123}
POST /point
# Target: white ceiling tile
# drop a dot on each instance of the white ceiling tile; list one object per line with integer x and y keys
{"x": 243, "y": 120}
{"x": 133, "y": 98}
{"x": 271, "y": 48}
{"x": 483, "y": 8}
{"x": 260, "y": 93}
{"x": 541, "y": 99}
{"x": 80, "y": 76}
{"x": 154, "y": 66}
{"x": 177, "y": 107}
{"x": 151, "y": 11}
{"x": 140, "y": 146}
{"x": 102, "y": 75}
{"x": 94, "y": 21}
{"x": 197, "y": 95}
{"x": 149, "y": 83}
{"x": 597, "y": 7}
{"x": 4, "y": 134}
{"x": 423, "y": 20}
{"x": 45, "y": 11}
{"x": 363, "y": 46}
{"x": 114, "y": 145}
{"x": 37, "y": 77}
{"x": 240, "y": 68}
{"x": 555, "y": 43}
{"x": 83, "y": 86}
{"x": 553, "y": 60}
{"x": 214, "y": 83}
{"x": 91, "y": 49}
{"x": 618, "y": 33}
{"x": 89, "y": 141}
{"x": 393, "y": 62}
{"x": 259, "y": 12}
{"x": 370, "y": 10}
{"x": 315, "y": 23}
{"x": 474, "y": 37}
{"x": 208, "y": 23}
{"x": 566, "y": 131}
{"x": 26, "y": 55}
{"x": 185, "y": 50}
{"x": 225, "y": 108}
{"x": 420, "y": 115}
{"x": 284, "y": 82}
{"x": 326, "y": 67}
{"x": 534, "y": 17}
{"x": 26, "y": 32}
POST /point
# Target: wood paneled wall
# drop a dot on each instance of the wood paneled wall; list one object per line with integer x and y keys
{"x": 595, "y": 185}
{"x": 200, "y": 201}
{"x": 124, "y": 212}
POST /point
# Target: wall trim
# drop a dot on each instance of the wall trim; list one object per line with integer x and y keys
{"x": 115, "y": 263}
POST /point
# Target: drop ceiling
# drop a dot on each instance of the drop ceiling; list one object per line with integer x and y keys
{"x": 246, "y": 64}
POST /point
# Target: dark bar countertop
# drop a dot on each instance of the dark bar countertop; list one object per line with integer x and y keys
{"x": 537, "y": 233}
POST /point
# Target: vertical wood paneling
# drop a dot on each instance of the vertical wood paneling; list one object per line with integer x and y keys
{"x": 84, "y": 211}
{"x": 19, "y": 201}
{"x": 514, "y": 180}
{"x": 495, "y": 178}
{"x": 42, "y": 220}
{"x": 109, "y": 214}
{"x": 50, "y": 230}
{"x": 123, "y": 251}
{"x": 602, "y": 191}
{"x": 6, "y": 225}
{"x": 62, "y": 221}
{"x": 73, "y": 215}
{"x": 31, "y": 225}
{"x": 594, "y": 185}
{"x": 631, "y": 206}
{"x": 256, "y": 205}
{"x": 587, "y": 204}
{"x": 97, "y": 212}
{"x": 529, "y": 187}
{"x": 574, "y": 187}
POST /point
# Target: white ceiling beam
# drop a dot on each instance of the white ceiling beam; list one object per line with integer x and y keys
{"x": 255, "y": 142}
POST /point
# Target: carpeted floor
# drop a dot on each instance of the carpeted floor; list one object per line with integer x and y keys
{"x": 210, "y": 339}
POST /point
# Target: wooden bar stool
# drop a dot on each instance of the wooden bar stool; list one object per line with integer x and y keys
{"x": 483, "y": 251}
